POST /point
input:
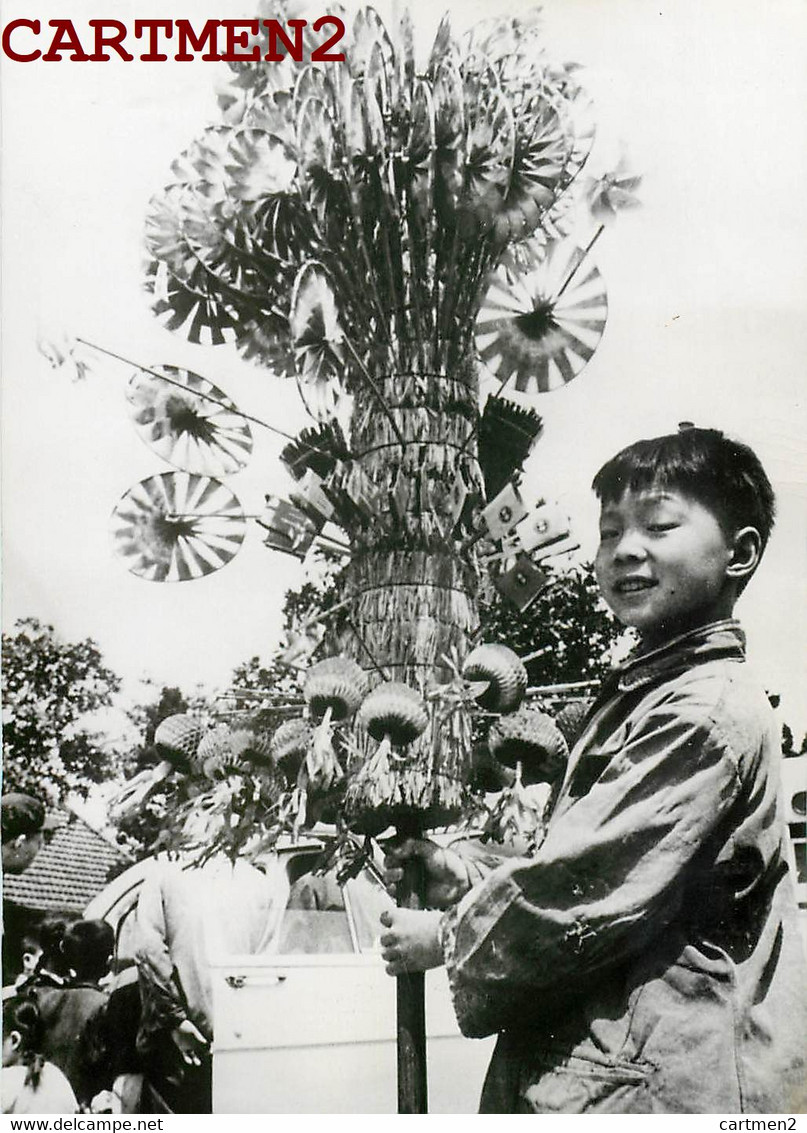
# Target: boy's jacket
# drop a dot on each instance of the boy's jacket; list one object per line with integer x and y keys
{"x": 648, "y": 958}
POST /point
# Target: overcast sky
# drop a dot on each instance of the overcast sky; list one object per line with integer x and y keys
{"x": 707, "y": 288}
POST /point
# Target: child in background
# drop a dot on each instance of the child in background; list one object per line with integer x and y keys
{"x": 648, "y": 958}
{"x": 31, "y": 948}
{"x": 30, "y": 1084}
{"x": 50, "y": 970}
{"x": 66, "y": 1011}
{"x": 87, "y": 948}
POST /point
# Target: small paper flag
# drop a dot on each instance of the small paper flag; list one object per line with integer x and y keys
{"x": 544, "y": 526}
{"x": 522, "y": 583}
{"x": 504, "y": 512}
{"x": 63, "y": 352}
{"x": 301, "y": 645}
{"x": 290, "y": 529}
{"x": 309, "y": 496}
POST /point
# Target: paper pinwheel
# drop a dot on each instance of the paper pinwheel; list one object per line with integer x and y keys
{"x": 177, "y": 526}
{"x": 188, "y": 421}
{"x": 543, "y": 327}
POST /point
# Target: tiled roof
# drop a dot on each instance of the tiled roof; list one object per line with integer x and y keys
{"x": 68, "y": 871}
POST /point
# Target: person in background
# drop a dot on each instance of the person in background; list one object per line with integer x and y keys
{"x": 187, "y": 914}
{"x": 66, "y": 1010}
{"x": 30, "y": 1084}
{"x": 31, "y": 950}
{"x": 23, "y": 821}
{"x": 51, "y": 970}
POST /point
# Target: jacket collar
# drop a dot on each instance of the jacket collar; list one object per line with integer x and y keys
{"x": 719, "y": 640}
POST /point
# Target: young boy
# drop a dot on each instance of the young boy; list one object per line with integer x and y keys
{"x": 67, "y": 1009}
{"x": 648, "y": 958}
{"x": 30, "y": 1084}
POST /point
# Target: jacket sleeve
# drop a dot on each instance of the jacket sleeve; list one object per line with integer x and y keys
{"x": 160, "y": 991}
{"x": 608, "y": 877}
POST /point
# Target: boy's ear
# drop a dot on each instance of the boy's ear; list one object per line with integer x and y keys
{"x": 15, "y": 1040}
{"x": 746, "y": 550}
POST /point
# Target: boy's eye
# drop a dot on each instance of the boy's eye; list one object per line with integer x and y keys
{"x": 608, "y": 533}
{"x": 655, "y": 527}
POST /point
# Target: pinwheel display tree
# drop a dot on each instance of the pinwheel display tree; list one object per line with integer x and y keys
{"x": 383, "y": 233}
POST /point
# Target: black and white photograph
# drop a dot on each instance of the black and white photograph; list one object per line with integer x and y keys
{"x": 404, "y": 545}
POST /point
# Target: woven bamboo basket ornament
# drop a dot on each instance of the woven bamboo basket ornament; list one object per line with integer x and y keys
{"x": 289, "y": 745}
{"x": 570, "y": 719}
{"x": 487, "y": 774}
{"x": 393, "y": 712}
{"x": 216, "y": 756}
{"x": 394, "y": 716}
{"x": 333, "y": 690}
{"x": 225, "y": 751}
{"x": 504, "y": 673}
{"x": 177, "y": 739}
{"x": 179, "y": 736}
{"x": 336, "y": 685}
{"x": 532, "y": 739}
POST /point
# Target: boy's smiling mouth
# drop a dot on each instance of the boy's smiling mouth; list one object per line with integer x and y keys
{"x": 633, "y": 584}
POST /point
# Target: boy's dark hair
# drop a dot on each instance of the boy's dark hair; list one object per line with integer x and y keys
{"x": 722, "y": 474}
{"x": 51, "y": 934}
{"x": 31, "y": 939}
{"x": 87, "y": 947}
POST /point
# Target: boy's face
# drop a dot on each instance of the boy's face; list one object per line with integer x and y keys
{"x": 662, "y": 562}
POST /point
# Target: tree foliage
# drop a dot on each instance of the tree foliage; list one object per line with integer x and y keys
{"x": 273, "y": 682}
{"x": 568, "y": 620}
{"x": 50, "y": 689}
{"x": 140, "y": 830}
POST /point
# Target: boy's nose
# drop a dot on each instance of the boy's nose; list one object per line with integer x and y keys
{"x": 629, "y": 546}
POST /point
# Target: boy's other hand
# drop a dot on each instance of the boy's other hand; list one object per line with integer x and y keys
{"x": 412, "y": 942}
{"x": 447, "y": 878}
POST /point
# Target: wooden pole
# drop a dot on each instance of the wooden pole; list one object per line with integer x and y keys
{"x": 411, "y": 1003}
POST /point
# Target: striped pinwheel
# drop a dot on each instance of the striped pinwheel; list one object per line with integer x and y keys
{"x": 542, "y": 328}
{"x": 188, "y": 421}
{"x": 177, "y": 526}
